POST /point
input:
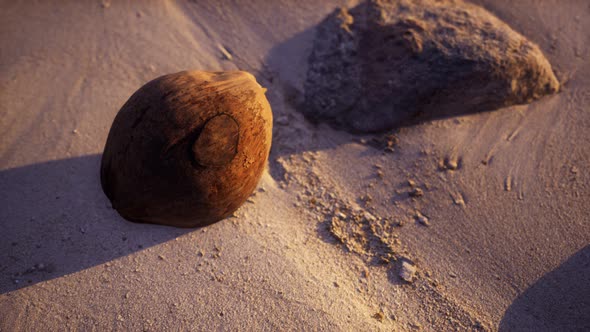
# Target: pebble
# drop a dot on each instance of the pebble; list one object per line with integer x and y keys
{"x": 458, "y": 200}
{"x": 508, "y": 184}
{"x": 379, "y": 316}
{"x": 407, "y": 272}
{"x": 369, "y": 217}
{"x": 451, "y": 163}
{"x": 417, "y": 192}
{"x": 226, "y": 54}
{"x": 422, "y": 219}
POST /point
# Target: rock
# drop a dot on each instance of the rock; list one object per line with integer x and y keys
{"x": 369, "y": 217}
{"x": 450, "y": 163}
{"x": 342, "y": 216}
{"x": 422, "y": 219}
{"x": 387, "y": 63}
{"x": 416, "y": 192}
{"x": 458, "y": 199}
{"x": 226, "y": 54}
{"x": 407, "y": 271}
{"x": 379, "y": 316}
{"x": 187, "y": 149}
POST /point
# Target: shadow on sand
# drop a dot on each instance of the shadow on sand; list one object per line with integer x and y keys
{"x": 55, "y": 220}
{"x": 559, "y": 301}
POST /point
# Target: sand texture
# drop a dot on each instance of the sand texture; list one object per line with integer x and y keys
{"x": 471, "y": 221}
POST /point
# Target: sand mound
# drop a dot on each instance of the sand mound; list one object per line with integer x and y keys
{"x": 385, "y": 63}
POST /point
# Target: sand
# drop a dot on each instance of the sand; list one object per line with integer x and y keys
{"x": 506, "y": 194}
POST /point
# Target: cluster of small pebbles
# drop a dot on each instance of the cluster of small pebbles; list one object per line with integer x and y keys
{"x": 359, "y": 229}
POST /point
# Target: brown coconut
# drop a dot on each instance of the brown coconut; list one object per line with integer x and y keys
{"x": 187, "y": 149}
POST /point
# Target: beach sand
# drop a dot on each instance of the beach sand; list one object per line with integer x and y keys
{"x": 506, "y": 194}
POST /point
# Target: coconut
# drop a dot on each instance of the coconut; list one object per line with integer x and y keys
{"x": 187, "y": 149}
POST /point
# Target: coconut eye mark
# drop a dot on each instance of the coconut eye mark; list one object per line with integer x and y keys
{"x": 217, "y": 143}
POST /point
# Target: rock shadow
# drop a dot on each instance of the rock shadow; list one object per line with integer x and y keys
{"x": 55, "y": 220}
{"x": 559, "y": 301}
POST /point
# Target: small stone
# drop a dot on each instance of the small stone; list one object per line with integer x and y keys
{"x": 417, "y": 192}
{"x": 422, "y": 219}
{"x": 407, "y": 272}
{"x": 411, "y": 183}
{"x": 369, "y": 217}
{"x": 451, "y": 163}
{"x": 508, "y": 184}
{"x": 458, "y": 200}
{"x": 367, "y": 198}
{"x": 416, "y": 326}
{"x": 379, "y": 316}
{"x": 226, "y": 54}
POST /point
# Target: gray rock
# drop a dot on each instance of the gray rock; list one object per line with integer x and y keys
{"x": 394, "y": 62}
{"x": 407, "y": 271}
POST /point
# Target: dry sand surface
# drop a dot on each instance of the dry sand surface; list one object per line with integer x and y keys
{"x": 491, "y": 209}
